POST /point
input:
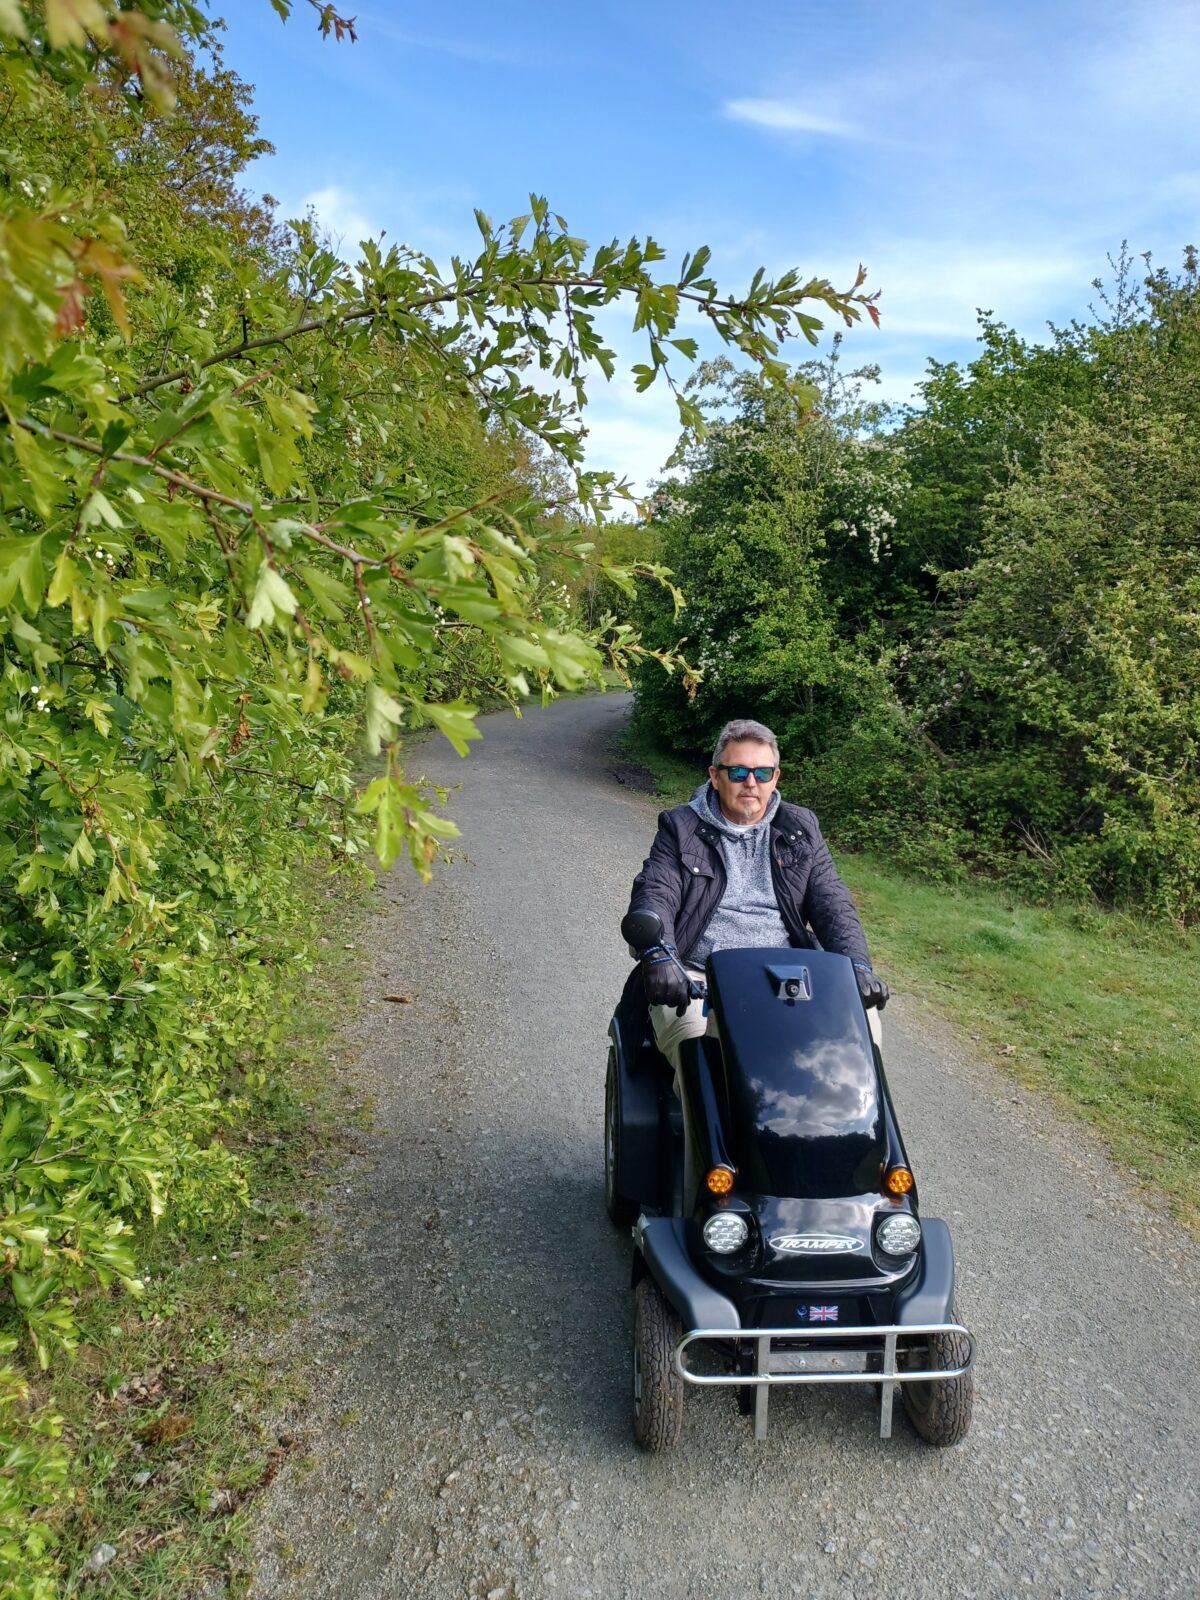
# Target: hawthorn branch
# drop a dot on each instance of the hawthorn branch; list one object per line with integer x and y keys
{"x": 276, "y": 777}
{"x": 219, "y": 536}
{"x": 716, "y": 309}
{"x": 97, "y": 479}
{"x": 365, "y": 607}
{"x": 210, "y": 497}
{"x": 59, "y": 1155}
{"x": 77, "y": 998}
{"x": 190, "y": 422}
{"x": 179, "y": 479}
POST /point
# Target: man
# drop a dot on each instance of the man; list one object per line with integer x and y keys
{"x": 734, "y": 868}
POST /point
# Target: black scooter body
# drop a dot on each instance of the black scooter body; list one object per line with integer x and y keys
{"x": 788, "y": 1092}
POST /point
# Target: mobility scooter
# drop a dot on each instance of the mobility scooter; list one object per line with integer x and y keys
{"x": 774, "y": 1213}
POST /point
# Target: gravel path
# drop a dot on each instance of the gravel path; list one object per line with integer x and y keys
{"x": 468, "y": 1432}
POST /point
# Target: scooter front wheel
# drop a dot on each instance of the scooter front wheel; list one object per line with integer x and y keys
{"x": 941, "y": 1412}
{"x": 657, "y": 1389}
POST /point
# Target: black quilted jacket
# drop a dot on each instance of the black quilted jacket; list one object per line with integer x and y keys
{"x": 683, "y": 879}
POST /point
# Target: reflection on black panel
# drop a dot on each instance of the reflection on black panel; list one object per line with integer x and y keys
{"x": 800, "y": 1078}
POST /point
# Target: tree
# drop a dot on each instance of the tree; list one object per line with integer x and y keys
{"x": 777, "y": 536}
{"x": 1066, "y": 688}
{"x": 975, "y": 632}
{"x": 971, "y": 431}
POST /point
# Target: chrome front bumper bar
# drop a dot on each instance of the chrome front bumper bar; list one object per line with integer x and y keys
{"x": 790, "y": 1366}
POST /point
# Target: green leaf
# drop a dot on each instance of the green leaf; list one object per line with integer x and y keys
{"x": 97, "y": 711}
{"x": 56, "y": 1171}
{"x": 456, "y": 721}
{"x": 62, "y": 585}
{"x": 474, "y": 603}
{"x": 31, "y": 642}
{"x": 349, "y": 662}
{"x": 171, "y": 522}
{"x": 43, "y": 1084}
{"x": 38, "y": 465}
{"x": 29, "y": 1291}
{"x": 290, "y": 411}
{"x": 332, "y": 596}
{"x": 393, "y": 825}
{"x": 69, "y": 22}
{"x": 518, "y": 650}
{"x": 277, "y": 459}
{"x": 99, "y": 508}
{"x": 273, "y": 600}
{"x": 384, "y": 716}
{"x": 104, "y": 609}
{"x": 11, "y": 19}
{"x": 21, "y": 569}
{"x": 81, "y": 853}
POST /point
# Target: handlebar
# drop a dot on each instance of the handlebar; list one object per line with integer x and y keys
{"x": 696, "y": 987}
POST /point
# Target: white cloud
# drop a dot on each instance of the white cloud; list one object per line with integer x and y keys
{"x": 931, "y": 287}
{"x": 343, "y": 216}
{"x": 375, "y": 26}
{"x": 350, "y": 214}
{"x": 787, "y": 116}
{"x": 630, "y": 443}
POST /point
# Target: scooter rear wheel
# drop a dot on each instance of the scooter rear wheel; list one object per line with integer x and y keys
{"x": 620, "y": 1210}
{"x": 941, "y": 1412}
{"x": 657, "y": 1390}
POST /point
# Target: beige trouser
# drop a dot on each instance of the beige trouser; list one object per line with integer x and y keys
{"x": 670, "y": 1030}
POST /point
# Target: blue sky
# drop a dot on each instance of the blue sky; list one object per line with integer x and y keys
{"x": 969, "y": 154}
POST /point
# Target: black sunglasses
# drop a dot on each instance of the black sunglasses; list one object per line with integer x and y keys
{"x": 740, "y": 774}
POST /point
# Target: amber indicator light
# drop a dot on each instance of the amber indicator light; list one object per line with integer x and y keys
{"x": 719, "y": 1180}
{"x": 898, "y": 1181}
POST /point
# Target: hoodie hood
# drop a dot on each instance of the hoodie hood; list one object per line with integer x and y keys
{"x": 748, "y": 913}
{"x": 706, "y": 805}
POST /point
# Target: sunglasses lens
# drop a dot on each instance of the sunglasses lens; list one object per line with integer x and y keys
{"x": 740, "y": 774}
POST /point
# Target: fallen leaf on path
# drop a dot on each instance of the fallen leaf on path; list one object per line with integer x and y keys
{"x": 399, "y": 999}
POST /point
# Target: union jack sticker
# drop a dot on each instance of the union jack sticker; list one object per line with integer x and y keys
{"x": 822, "y": 1313}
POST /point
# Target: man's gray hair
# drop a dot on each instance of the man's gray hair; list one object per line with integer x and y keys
{"x": 744, "y": 728}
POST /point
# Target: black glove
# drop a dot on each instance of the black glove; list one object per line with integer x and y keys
{"x": 664, "y": 978}
{"x": 873, "y": 990}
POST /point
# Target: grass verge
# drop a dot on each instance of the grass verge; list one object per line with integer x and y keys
{"x": 169, "y": 1403}
{"x": 1097, "y": 1009}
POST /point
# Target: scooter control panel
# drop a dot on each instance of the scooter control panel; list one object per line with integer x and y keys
{"x": 791, "y": 983}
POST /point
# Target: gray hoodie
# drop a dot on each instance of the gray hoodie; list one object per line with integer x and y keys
{"x": 748, "y": 915}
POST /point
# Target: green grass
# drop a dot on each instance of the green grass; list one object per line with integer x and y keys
{"x": 171, "y": 1405}
{"x": 1094, "y": 1008}
{"x": 675, "y": 778}
{"x": 1098, "y": 1010}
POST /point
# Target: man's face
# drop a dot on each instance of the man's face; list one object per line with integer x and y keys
{"x": 745, "y": 802}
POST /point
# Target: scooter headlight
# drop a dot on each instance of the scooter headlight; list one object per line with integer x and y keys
{"x": 726, "y": 1232}
{"x": 899, "y": 1235}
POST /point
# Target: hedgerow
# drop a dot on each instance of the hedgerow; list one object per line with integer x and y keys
{"x": 258, "y": 508}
